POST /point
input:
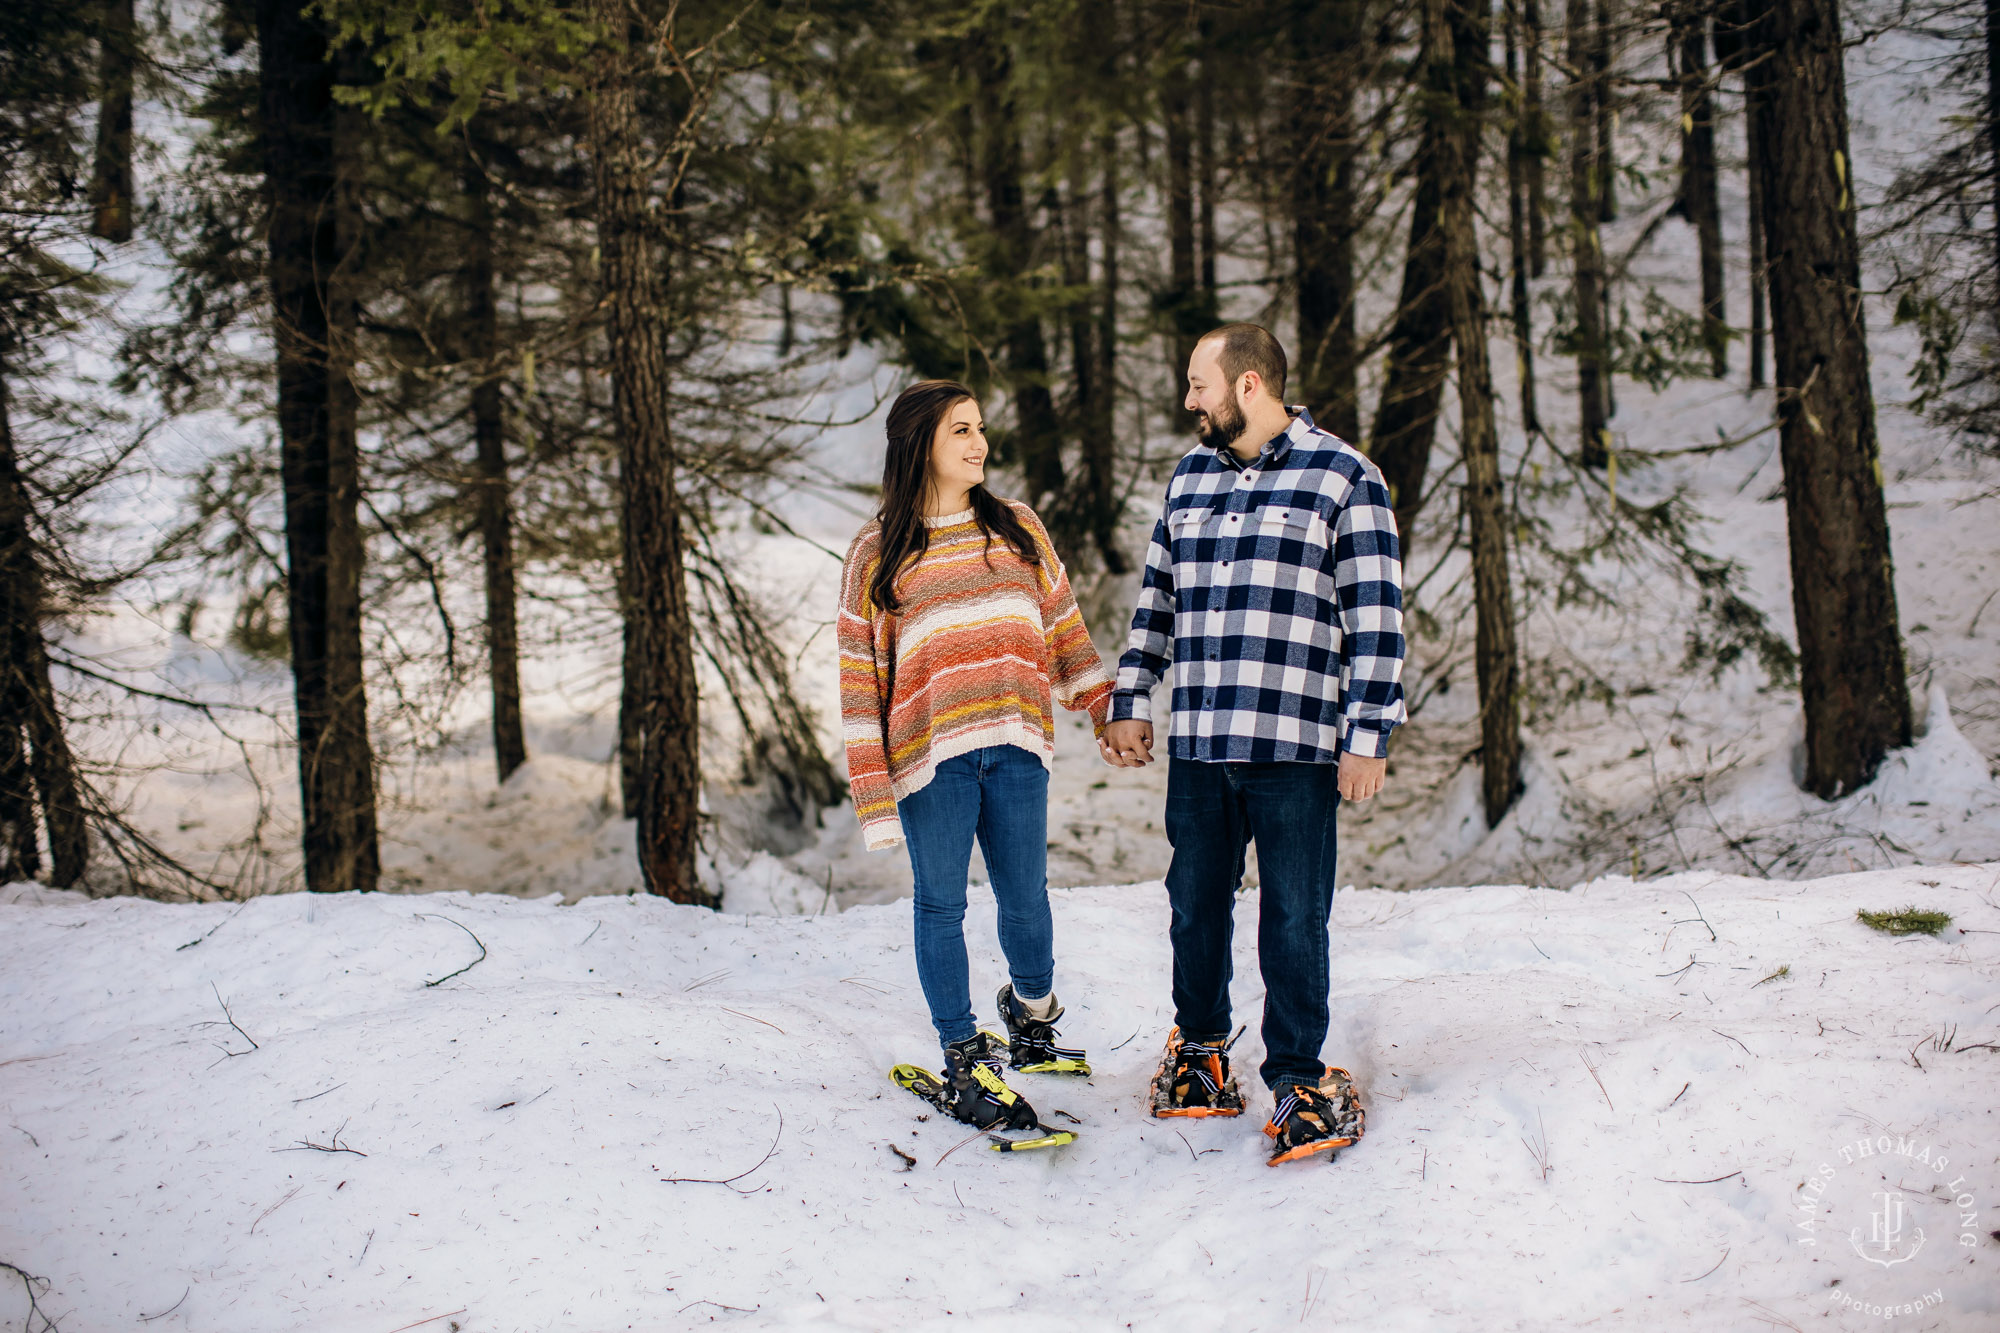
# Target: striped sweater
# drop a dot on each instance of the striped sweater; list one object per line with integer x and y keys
{"x": 976, "y": 654}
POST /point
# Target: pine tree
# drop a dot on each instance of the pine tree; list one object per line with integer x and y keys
{"x": 1698, "y": 199}
{"x": 46, "y": 216}
{"x": 1327, "y": 60}
{"x": 310, "y": 170}
{"x": 1456, "y": 35}
{"x": 1857, "y": 700}
{"x": 1586, "y": 177}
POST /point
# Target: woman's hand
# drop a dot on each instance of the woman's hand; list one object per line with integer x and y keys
{"x": 1127, "y": 744}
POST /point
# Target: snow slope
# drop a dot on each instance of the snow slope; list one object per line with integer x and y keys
{"x": 512, "y": 1128}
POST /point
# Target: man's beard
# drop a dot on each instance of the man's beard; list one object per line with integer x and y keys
{"x": 1223, "y": 428}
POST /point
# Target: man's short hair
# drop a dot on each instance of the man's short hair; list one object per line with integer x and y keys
{"x": 1246, "y": 347}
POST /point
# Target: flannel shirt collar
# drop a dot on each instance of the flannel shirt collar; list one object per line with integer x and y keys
{"x": 1274, "y": 450}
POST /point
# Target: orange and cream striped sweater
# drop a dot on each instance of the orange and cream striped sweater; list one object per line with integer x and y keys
{"x": 977, "y": 652}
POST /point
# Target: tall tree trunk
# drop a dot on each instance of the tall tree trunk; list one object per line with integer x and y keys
{"x": 1993, "y": 122}
{"x": 1100, "y": 441}
{"x": 1541, "y": 145}
{"x": 1183, "y": 301}
{"x": 660, "y": 667}
{"x": 1323, "y": 220}
{"x": 1760, "y": 324}
{"x": 1419, "y": 343}
{"x": 494, "y": 497}
{"x": 631, "y": 702}
{"x": 111, "y": 171}
{"x": 1586, "y": 248}
{"x": 35, "y": 760}
{"x": 1037, "y": 434}
{"x": 1607, "y": 116}
{"x": 1857, "y": 700}
{"x": 1699, "y": 200}
{"x": 1204, "y": 161}
{"x": 20, "y": 849}
{"x": 1093, "y": 506}
{"x": 1731, "y": 27}
{"x": 1518, "y": 192}
{"x": 1456, "y": 36}
{"x": 20, "y": 621}
{"x": 312, "y": 232}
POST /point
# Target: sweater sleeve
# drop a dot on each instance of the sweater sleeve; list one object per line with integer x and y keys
{"x": 1076, "y": 673}
{"x": 864, "y": 687}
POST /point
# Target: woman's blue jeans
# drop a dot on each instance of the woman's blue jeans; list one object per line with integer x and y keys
{"x": 999, "y": 795}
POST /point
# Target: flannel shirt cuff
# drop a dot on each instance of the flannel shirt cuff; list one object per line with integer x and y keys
{"x": 1366, "y": 740}
{"x": 1132, "y": 706}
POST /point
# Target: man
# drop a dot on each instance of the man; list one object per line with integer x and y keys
{"x": 1273, "y": 591}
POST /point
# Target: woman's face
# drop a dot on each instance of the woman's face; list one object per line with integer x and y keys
{"x": 958, "y": 451}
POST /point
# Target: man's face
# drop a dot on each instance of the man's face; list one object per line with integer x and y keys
{"x": 1219, "y": 419}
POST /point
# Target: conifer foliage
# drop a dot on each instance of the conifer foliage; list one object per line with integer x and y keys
{"x": 526, "y": 296}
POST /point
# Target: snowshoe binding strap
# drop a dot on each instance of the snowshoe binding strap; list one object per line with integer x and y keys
{"x": 1308, "y": 1121}
{"x": 1194, "y": 1079}
{"x": 1031, "y": 1045}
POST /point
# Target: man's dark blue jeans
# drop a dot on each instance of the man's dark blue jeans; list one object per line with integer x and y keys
{"x": 1213, "y": 811}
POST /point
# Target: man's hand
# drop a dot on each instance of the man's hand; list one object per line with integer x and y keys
{"x": 1128, "y": 744}
{"x": 1359, "y": 778}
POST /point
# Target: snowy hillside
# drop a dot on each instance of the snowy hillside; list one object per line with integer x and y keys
{"x": 1600, "y": 1107}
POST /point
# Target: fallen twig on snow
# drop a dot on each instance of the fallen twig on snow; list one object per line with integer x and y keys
{"x": 1771, "y": 1317}
{"x": 1585, "y": 1057}
{"x": 333, "y": 1144}
{"x": 35, "y": 1311}
{"x": 296, "y": 1101}
{"x": 149, "y": 1318}
{"x": 1713, "y": 1180}
{"x": 977, "y": 1133}
{"x": 1718, "y": 1264}
{"x": 230, "y": 1019}
{"x": 1538, "y": 1148}
{"x": 210, "y": 931}
{"x": 754, "y": 1019}
{"x": 275, "y": 1207}
{"x": 1682, "y": 1093}
{"x": 433, "y": 1319}
{"x": 730, "y": 1180}
{"x": 909, "y": 1162}
{"x": 1720, "y": 1033}
{"x": 1712, "y": 936}
{"x": 717, "y": 1304}
{"x": 1692, "y": 962}
{"x": 469, "y": 966}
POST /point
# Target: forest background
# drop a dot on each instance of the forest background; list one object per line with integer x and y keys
{"x": 429, "y": 429}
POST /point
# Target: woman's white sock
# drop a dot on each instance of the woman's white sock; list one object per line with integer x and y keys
{"x": 1040, "y": 1008}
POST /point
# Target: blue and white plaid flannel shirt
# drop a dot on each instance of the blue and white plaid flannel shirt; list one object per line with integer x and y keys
{"x": 1276, "y": 586}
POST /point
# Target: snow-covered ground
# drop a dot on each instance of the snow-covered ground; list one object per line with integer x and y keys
{"x": 1602, "y": 1107}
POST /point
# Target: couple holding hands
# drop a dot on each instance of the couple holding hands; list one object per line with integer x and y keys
{"x": 1272, "y": 600}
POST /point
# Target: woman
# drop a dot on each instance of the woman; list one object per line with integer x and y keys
{"x": 956, "y": 625}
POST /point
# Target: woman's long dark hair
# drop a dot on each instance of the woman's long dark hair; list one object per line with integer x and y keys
{"x": 913, "y": 424}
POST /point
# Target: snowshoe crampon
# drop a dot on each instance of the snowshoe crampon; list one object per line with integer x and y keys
{"x": 1314, "y": 1121}
{"x": 937, "y": 1092}
{"x": 1194, "y": 1080}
